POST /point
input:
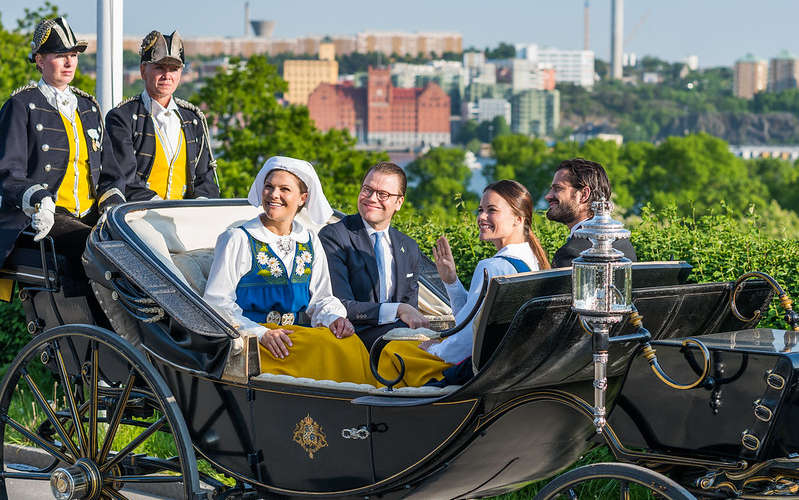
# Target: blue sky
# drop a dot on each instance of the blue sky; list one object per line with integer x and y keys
{"x": 718, "y": 31}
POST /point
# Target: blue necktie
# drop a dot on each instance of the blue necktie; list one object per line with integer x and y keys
{"x": 381, "y": 265}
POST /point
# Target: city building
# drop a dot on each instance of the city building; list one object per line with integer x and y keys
{"x": 403, "y": 43}
{"x": 304, "y": 75}
{"x": 525, "y": 74}
{"x": 603, "y": 132}
{"x": 749, "y": 152}
{"x": 369, "y": 41}
{"x": 571, "y": 66}
{"x": 451, "y": 76}
{"x": 751, "y": 76}
{"x": 783, "y": 72}
{"x": 488, "y": 109}
{"x": 339, "y": 106}
{"x": 390, "y": 116}
{"x": 535, "y": 112}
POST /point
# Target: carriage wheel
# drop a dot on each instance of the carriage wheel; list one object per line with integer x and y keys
{"x": 612, "y": 480}
{"x": 99, "y": 412}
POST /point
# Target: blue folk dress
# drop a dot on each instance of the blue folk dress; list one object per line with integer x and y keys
{"x": 277, "y": 297}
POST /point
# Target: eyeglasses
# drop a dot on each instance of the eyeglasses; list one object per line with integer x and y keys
{"x": 367, "y": 191}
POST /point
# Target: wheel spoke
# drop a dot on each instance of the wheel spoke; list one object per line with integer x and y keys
{"x": 162, "y": 478}
{"x": 119, "y": 409}
{"x": 76, "y": 419}
{"x": 48, "y": 411}
{"x": 94, "y": 406}
{"x": 112, "y": 493}
{"x": 624, "y": 490}
{"x": 133, "y": 444}
{"x": 50, "y": 447}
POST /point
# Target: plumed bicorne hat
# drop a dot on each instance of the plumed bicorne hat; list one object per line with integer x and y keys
{"x": 54, "y": 36}
{"x": 159, "y": 48}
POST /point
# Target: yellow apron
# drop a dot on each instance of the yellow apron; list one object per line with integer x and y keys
{"x": 316, "y": 353}
{"x": 420, "y": 365}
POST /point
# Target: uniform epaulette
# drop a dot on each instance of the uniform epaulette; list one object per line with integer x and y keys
{"x": 129, "y": 99}
{"x": 186, "y": 104}
{"x": 30, "y": 85}
{"x": 85, "y": 94}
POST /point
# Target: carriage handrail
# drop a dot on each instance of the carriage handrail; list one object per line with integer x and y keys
{"x": 420, "y": 334}
{"x": 791, "y": 317}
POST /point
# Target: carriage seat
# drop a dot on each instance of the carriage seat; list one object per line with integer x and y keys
{"x": 366, "y": 389}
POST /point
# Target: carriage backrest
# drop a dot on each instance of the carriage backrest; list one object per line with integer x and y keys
{"x": 507, "y": 294}
{"x": 545, "y": 345}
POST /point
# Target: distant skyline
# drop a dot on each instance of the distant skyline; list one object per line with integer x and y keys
{"x": 718, "y": 31}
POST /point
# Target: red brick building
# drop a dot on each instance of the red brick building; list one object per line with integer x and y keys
{"x": 389, "y": 116}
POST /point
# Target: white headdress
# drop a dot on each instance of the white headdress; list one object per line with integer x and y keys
{"x": 317, "y": 206}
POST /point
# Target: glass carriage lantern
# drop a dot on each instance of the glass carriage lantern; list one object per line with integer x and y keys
{"x": 601, "y": 292}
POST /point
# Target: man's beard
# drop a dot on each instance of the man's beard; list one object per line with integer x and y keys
{"x": 562, "y": 213}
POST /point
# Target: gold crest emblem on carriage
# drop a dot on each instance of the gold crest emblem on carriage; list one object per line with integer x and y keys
{"x": 309, "y": 435}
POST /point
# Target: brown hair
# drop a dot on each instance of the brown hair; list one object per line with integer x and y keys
{"x": 386, "y": 167}
{"x": 520, "y": 201}
{"x": 582, "y": 173}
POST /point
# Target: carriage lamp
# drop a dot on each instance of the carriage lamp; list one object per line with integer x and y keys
{"x": 601, "y": 292}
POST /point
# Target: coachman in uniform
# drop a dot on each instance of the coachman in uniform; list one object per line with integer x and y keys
{"x": 57, "y": 171}
{"x": 161, "y": 143}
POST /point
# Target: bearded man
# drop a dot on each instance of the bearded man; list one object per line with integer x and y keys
{"x": 578, "y": 183}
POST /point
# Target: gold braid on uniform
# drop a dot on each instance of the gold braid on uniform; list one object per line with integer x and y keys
{"x": 148, "y": 42}
{"x": 31, "y": 85}
{"x": 206, "y": 135}
{"x": 41, "y": 34}
{"x": 129, "y": 99}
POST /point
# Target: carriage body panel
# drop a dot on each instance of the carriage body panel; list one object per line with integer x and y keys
{"x": 521, "y": 418}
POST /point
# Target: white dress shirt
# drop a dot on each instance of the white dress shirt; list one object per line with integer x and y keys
{"x": 64, "y": 101}
{"x": 388, "y": 310}
{"x": 233, "y": 259}
{"x": 167, "y": 123}
{"x": 576, "y": 227}
{"x": 458, "y": 347}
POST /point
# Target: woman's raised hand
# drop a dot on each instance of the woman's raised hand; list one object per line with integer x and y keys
{"x": 341, "y": 328}
{"x": 445, "y": 263}
{"x": 277, "y": 341}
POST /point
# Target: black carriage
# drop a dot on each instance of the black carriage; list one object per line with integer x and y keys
{"x": 163, "y": 363}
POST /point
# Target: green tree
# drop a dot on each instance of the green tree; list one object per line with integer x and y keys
{"x": 521, "y": 158}
{"x": 698, "y": 173}
{"x": 252, "y": 126}
{"x": 438, "y": 181}
{"x": 503, "y": 51}
{"x": 16, "y": 70}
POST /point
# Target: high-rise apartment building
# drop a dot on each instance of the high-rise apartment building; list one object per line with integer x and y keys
{"x": 303, "y": 76}
{"x": 535, "y": 112}
{"x": 783, "y": 72}
{"x": 571, "y": 66}
{"x": 390, "y": 116}
{"x": 402, "y": 43}
{"x": 751, "y": 76}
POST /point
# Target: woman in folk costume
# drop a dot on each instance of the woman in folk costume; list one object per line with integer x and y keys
{"x": 57, "y": 170}
{"x": 269, "y": 277}
{"x": 503, "y": 218}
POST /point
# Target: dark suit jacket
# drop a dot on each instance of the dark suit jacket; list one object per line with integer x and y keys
{"x": 34, "y": 150}
{"x": 571, "y": 250}
{"x": 353, "y": 269}
{"x": 133, "y": 135}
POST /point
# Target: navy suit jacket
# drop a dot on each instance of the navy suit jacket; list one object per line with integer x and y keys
{"x": 353, "y": 269}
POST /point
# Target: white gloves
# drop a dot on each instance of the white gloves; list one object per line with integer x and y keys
{"x": 43, "y": 219}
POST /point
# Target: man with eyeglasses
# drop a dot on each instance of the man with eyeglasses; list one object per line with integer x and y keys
{"x": 373, "y": 266}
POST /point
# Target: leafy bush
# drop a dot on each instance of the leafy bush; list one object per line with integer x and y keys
{"x": 13, "y": 334}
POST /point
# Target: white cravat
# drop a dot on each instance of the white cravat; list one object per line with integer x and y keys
{"x": 63, "y": 100}
{"x": 166, "y": 121}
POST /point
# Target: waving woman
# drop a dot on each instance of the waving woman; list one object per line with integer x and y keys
{"x": 503, "y": 218}
{"x": 269, "y": 277}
